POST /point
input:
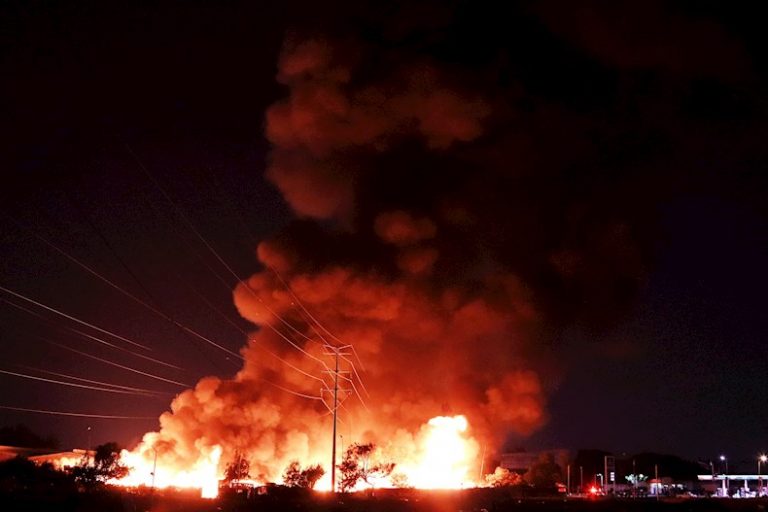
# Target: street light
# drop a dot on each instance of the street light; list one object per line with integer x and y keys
{"x": 88, "y": 448}
{"x": 725, "y": 475}
{"x": 760, "y": 460}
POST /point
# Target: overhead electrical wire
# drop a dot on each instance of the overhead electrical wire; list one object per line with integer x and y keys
{"x": 76, "y": 414}
{"x": 287, "y": 390}
{"x": 82, "y": 322}
{"x": 133, "y": 297}
{"x": 312, "y": 318}
{"x": 91, "y": 381}
{"x": 298, "y": 301}
{"x": 117, "y": 365}
{"x": 242, "y": 331}
{"x": 72, "y": 384}
{"x": 217, "y": 310}
{"x": 91, "y": 337}
{"x": 156, "y": 310}
{"x": 87, "y": 218}
{"x": 221, "y": 260}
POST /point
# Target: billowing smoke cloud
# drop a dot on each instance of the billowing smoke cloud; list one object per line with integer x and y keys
{"x": 328, "y": 116}
{"x": 449, "y": 225}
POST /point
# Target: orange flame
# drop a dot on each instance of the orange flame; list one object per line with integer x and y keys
{"x": 441, "y": 455}
{"x": 446, "y": 456}
{"x": 146, "y": 471}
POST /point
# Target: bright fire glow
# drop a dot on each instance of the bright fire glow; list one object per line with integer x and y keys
{"x": 441, "y": 455}
{"x": 446, "y": 455}
{"x": 203, "y": 475}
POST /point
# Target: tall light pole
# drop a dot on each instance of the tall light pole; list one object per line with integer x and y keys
{"x": 88, "y": 448}
{"x": 724, "y": 460}
{"x": 762, "y": 458}
{"x": 634, "y": 483}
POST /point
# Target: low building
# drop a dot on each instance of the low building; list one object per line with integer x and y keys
{"x": 60, "y": 460}
{"x": 10, "y": 452}
{"x": 521, "y": 462}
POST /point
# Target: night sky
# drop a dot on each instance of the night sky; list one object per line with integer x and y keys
{"x": 618, "y": 171}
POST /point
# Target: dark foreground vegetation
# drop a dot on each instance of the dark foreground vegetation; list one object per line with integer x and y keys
{"x": 106, "y": 499}
{"x": 26, "y": 486}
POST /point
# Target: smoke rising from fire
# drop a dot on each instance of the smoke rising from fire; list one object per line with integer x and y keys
{"x": 433, "y": 233}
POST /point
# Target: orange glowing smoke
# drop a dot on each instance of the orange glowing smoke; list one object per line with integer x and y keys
{"x": 428, "y": 352}
{"x": 438, "y": 326}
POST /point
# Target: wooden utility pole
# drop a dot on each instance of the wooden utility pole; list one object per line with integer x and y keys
{"x": 336, "y": 352}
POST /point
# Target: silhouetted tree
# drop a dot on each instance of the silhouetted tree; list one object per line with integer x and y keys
{"x": 544, "y": 473}
{"x": 357, "y": 465}
{"x": 106, "y": 466}
{"x": 238, "y": 469}
{"x": 295, "y": 476}
{"x": 21, "y": 474}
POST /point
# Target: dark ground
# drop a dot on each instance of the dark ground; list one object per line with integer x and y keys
{"x": 489, "y": 500}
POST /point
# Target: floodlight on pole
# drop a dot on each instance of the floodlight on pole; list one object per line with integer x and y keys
{"x": 724, "y": 460}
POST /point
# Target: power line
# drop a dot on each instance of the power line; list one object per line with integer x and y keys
{"x": 82, "y": 322}
{"x": 120, "y": 260}
{"x": 81, "y": 379}
{"x": 221, "y": 260}
{"x": 132, "y": 296}
{"x": 106, "y": 361}
{"x": 290, "y": 365}
{"x": 76, "y": 414}
{"x": 91, "y": 337}
{"x": 72, "y": 384}
{"x": 297, "y": 300}
{"x": 94, "y": 338}
{"x": 354, "y": 371}
{"x": 244, "y": 333}
{"x": 125, "y": 266}
{"x": 301, "y": 305}
{"x": 287, "y": 390}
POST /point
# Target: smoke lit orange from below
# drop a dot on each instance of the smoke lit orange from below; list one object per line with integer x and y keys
{"x": 418, "y": 355}
{"x": 428, "y": 343}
